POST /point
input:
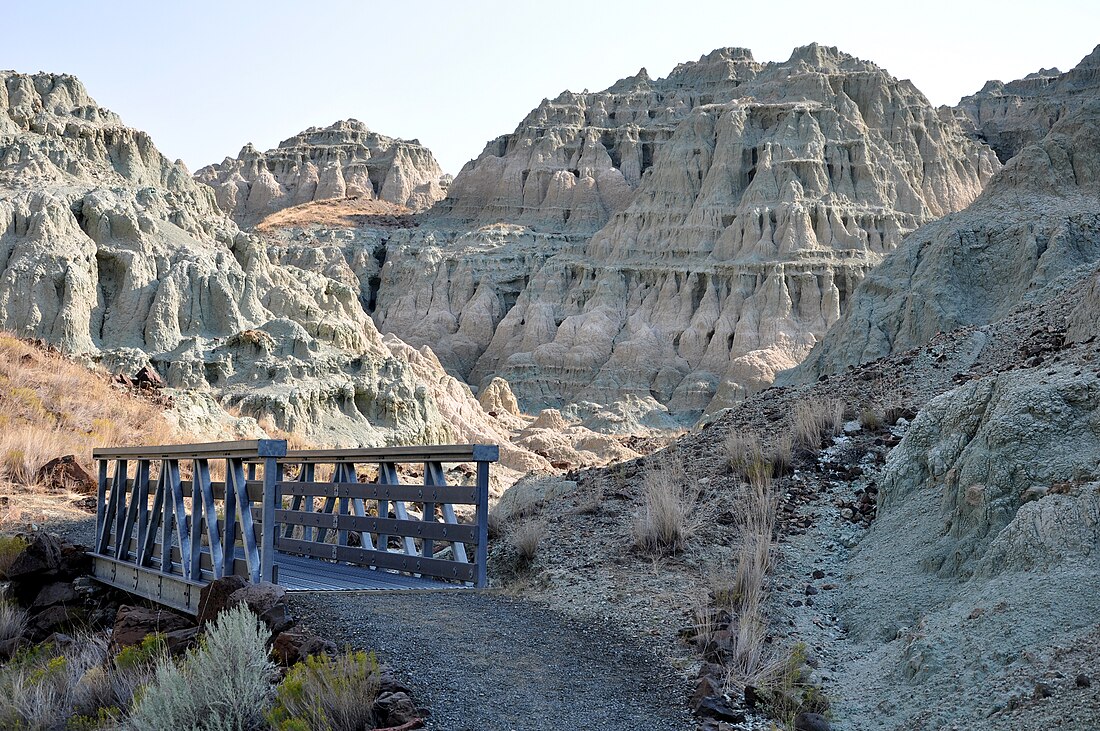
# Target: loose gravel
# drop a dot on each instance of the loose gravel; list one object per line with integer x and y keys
{"x": 488, "y": 662}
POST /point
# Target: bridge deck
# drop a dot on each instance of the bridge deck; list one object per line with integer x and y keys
{"x": 300, "y": 573}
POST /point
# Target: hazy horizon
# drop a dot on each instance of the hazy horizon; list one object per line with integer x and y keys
{"x": 205, "y": 79}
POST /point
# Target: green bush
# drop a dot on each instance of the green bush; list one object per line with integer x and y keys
{"x": 10, "y": 547}
{"x": 328, "y": 694}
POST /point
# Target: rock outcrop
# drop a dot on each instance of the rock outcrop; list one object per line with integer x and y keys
{"x": 110, "y": 251}
{"x": 680, "y": 239}
{"x": 343, "y": 160}
{"x": 1035, "y": 227}
{"x": 1011, "y": 116}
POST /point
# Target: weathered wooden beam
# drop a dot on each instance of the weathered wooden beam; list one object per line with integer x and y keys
{"x": 208, "y": 450}
{"x": 437, "y": 452}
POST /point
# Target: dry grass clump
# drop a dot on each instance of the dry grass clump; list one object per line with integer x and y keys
{"x": 525, "y": 539}
{"x": 13, "y": 621}
{"x": 51, "y": 406}
{"x": 332, "y": 693}
{"x": 294, "y": 440}
{"x": 815, "y": 419}
{"x": 43, "y": 687}
{"x": 871, "y": 419}
{"x": 667, "y": 518}
{"x": 782, "y": 455}
{"x": 748, "y": 657}
{"x": 746, "y": 454}
{"x": 338, "y": 213}
{"x": 750, "y": 461}
{"x": 732, "y": 627}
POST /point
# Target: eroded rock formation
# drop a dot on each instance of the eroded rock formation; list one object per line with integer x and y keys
{"x": 1035, "y": 227}
{"x": 680, "y": 239}
{"x": 109, "y": 250}
{"x": 1011, "y": 116}
{"x": 345, "y": 159}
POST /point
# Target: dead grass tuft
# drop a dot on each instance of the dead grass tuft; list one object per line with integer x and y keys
{"x": 782, "y": 455}
{"x": 525, "y": 539}
{"x": 814, "y": 420}
{"x": 10, "y": 548}
{"x": 666, "y": 520}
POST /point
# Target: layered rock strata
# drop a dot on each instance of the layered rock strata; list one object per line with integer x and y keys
{"x": 1011, "y": 116}
{"x": 677, "y": 240}
{"x": 343, "y": 160}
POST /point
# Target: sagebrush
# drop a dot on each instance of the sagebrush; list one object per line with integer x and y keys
{"x": 224, "y": 684}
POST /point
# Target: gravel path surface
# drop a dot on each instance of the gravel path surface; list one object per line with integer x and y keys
{"x": 486, "y": 662}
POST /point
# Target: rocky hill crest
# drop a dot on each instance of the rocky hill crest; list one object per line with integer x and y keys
{"x": 344, "y": 160}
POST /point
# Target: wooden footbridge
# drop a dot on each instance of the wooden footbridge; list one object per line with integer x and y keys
{"x": 171, "y": 519}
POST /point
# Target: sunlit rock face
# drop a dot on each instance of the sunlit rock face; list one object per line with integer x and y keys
{"x": 109, "y": 250}
{"x": 343, "y": 160}
{"x": 677, "y": 240}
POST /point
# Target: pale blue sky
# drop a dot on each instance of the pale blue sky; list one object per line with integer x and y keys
{"x": 205, "y": 77}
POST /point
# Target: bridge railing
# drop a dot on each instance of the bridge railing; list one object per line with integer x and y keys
{"x": 170, "y": 519}
{"x": 362, "y": 513}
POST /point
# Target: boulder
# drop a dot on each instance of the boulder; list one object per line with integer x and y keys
{"x": 54, "y": 619}
{"x": 59, "y": 592}
{"x": 214, "y": 597}
{"x": 65, "y": 473}
{"x": 180, "y": 640}
{"x": 295, "y": 645}
{"x": 133, "y": 624}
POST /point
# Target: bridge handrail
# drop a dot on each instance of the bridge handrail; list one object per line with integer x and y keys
{"x": 207, "y": 450}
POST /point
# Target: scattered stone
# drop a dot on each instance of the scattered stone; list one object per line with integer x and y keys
{"x": 394, "y": 709}
{"x": 811, "y": 589}
{"x": 1043, "y": 690}
{"x": 705, "y": 688}
{"x": 717, "y": 707}
{"x": 818, "y": 574}
{"x": 149, "y": 378}
{"x": 1083, "y": 681}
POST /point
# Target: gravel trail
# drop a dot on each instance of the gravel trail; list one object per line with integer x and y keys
{"x": 486, "y": 662}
